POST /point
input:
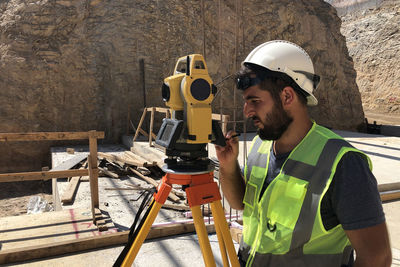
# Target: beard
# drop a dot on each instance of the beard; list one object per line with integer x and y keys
{"x": 275, "y": 124}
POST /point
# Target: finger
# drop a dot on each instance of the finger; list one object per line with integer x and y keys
{"x": 230, "y": 134}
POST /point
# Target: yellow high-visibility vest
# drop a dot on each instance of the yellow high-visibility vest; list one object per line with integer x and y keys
{"x": 284, "y": 227}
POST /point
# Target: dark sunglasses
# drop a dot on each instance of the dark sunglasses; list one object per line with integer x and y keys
{"x": 242, "y": 83}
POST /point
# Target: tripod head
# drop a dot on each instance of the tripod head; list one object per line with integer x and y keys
{"x": 189, "y": 93}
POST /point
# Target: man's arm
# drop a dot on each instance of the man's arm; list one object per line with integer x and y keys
{"x": 358, "y": 207}
{"x": 230, "y": 176}
{"x": 372, "y": 246}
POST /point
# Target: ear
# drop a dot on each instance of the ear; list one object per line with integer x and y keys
{"x": 287, "y": 96}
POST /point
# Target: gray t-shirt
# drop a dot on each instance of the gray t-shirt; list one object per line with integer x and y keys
{"x": 352, "y": 199}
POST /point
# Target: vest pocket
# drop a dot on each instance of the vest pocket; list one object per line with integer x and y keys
{"x": 284, "y": 200}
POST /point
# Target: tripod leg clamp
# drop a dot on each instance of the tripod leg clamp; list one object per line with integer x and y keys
{"x": 162, "y": 193}
{"x": 202, "y": 194}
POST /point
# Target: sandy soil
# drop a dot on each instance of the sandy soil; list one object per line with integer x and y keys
{"x": 14, "y": 197}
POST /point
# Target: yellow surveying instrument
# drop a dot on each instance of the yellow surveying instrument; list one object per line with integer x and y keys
{"x": 188, "y": 93}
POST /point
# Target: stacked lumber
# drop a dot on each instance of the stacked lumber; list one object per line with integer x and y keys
{"x": 141, "y": 164}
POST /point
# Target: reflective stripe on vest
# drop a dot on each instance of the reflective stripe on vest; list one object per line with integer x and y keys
{"x": 255, "y": 159}
{"x": 314, "y": 183}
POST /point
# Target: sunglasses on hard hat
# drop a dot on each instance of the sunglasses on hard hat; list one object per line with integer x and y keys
{"x": 244, "y": 82}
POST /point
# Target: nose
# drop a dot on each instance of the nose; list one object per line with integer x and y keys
{"x": 247, "y": 111}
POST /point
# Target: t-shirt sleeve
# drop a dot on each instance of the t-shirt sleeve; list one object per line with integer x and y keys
{"x": 355, "y": 196}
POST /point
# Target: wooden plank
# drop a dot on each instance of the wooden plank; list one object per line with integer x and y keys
{"x": 176, "y": 206}
{"x": 100, "y": 220}
{"x": 390, "y": 195}
{"x": 25, "y": 176}
{"x": 224, "y": 121}
{"x": 55, "y": 195}
{"x": 129, "y": 161}
{"x": 109, "y": 173}
{"x": 140, "y": 124}
{"x": 93, "y": 176}
{"x": 149, "y": 153}
{"x": 142, "y": 148}
{"x": 86, "y": 243}
{"x": 70, "y": 163}
{"x": 38, "y": 136}
{"x": 163, "y": 110}
{"x": 388, "y": 187}
{"x": 68, "y": 195}
{"x": 137, "y": 157}
{"x": 48, "y": 227}
{"x": 151, "y": 125}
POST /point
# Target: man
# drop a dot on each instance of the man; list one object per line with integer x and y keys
{"x": 309, "y": 197}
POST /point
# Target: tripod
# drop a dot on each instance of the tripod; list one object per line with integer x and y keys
{"x": 201, "y": 189}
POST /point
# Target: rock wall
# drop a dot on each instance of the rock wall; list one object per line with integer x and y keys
{"x": 344, "y": 7}
{"x": 74, "y": 65}
{"x": 373, "y": 40}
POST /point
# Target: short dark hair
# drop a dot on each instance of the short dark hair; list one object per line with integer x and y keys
{"x": 271, "y": 81}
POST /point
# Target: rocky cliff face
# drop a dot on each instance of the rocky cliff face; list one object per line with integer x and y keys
{"x": 373, "y": 39}
{"x": 344, "y": 7}
{"x": 371, "y": 28}
{"x": 73, "y": 65}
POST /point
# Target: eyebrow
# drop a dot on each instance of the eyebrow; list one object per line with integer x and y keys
{"x": 249, "y": 97}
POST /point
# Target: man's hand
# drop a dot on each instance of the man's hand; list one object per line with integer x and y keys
{"x": 228, "y": 154}
{"x": 230, "y": 176}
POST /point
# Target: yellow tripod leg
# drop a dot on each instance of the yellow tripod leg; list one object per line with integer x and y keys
{"x": 202, "y": 234}
{"x": 222, "y": 225}
{"x": 133, "y": 251}
{"x": 222, "y": 246}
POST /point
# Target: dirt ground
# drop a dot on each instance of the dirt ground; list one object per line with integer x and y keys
{"x": 382, "y": 118}
{"x": 14, "y": 197}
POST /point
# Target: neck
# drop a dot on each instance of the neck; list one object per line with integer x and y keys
{"x": 296, "y": 131}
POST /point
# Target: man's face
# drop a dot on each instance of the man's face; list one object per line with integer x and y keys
{"x": 268, "y": 115}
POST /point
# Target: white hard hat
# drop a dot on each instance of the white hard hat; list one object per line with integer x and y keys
{"x": 291, "y": 59}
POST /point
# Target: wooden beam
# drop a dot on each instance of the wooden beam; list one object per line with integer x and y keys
{"x": 25, "y": 176}
{"x": 137, "y": 157}
{"x": 109, "y": 173}
{"x": 153, "y": 110}
{"x": 38, "y": 136}
{"x": 390, "y": 195}
{"x": 70, "y": 163}
{"x": 68, "y": 195}
{"x": 163, "y": 110}
{"x": 81, "y": 244}
{"x": 149, "y": 153}
{"x": 224, "y": 121}
{"x": 140, "y": 124}
{"x": 388, "y": 187}
{"x": 129, "y": 161}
